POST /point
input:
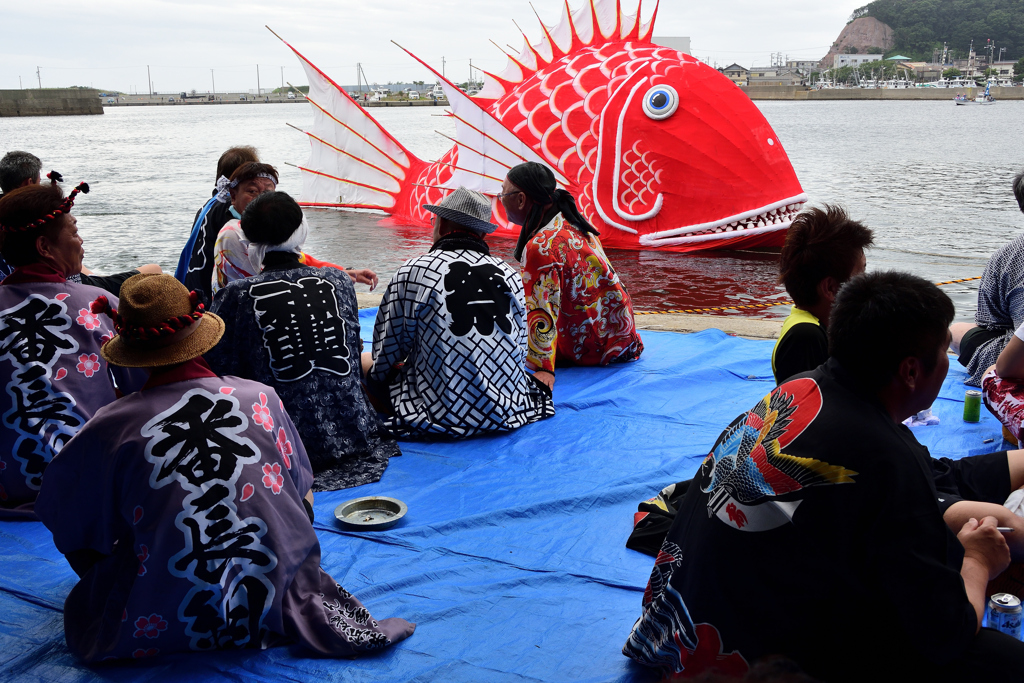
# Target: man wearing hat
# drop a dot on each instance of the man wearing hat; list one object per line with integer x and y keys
{"x": 449, "y": 343}
{"x": 181, "y": 507}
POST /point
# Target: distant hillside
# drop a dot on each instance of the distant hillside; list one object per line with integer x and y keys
{"x": 919, "y": 26}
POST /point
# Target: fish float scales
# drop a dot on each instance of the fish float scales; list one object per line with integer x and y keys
{"x": 660, "y": 150}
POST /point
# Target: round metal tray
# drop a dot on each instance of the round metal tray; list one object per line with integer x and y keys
{"x": 371, "y": 513}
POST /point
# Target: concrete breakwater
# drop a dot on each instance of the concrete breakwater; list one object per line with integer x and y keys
{"x": 50, "y": 102}
{"x": 781, "y": 92}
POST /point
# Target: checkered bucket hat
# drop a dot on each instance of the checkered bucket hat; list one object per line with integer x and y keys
{"x": 468, "y": 208}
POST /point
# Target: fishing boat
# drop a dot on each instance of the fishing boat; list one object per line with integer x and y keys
{"x": 984, "y": 98}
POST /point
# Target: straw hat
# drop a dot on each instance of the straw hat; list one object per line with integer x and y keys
{"x": 159, "y": 323}
{"x": 468, "y": 208}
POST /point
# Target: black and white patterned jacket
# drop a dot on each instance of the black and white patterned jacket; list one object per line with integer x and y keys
{"x": 449, "y": 345}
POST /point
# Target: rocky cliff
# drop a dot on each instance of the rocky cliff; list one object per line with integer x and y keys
{"x": 862, "y": 34}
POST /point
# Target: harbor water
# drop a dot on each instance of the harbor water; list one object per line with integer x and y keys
{"x": 932, "y": 180}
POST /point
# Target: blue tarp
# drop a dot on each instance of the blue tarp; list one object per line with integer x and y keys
{"x": 511, "y": 559}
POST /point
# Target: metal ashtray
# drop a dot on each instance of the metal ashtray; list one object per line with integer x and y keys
{"x": 372, "y": 513}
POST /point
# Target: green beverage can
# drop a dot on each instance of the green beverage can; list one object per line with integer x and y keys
{"x": 972, "y": 406}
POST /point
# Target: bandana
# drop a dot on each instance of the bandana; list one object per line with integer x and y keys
{"x": 224, "y": 186}
{"x": 258, "y": 250}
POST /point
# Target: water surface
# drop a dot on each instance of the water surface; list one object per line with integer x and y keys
{"x": 931, "y": 179}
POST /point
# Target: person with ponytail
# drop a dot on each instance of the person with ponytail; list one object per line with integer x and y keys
{"x": 50, "y": 340}
{"x": 578, "y": 311}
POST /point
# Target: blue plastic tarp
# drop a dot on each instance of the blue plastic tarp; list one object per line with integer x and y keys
{"x": 511, "y": 559}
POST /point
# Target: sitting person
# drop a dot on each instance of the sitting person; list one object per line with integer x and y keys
{"x": 311, "y": 358}
{"x": 21, "y": 169}
{"x": 578, "y": 311}
{"x": 50, "y": 341}
{"x": 181, "y": 506}
{"x": 230, "y": 254}
{"x": 1000, "y": 305}
{"x": 824, "y": 248}
{"x": 195, "y": 265}
{"x": 797, "y": 540}
{"x": 449, "y": 342}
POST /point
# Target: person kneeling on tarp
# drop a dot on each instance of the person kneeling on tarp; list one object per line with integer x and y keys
{"x": 578, "y": 311}
{"x": 449, "y": 342}
{"x": 824, "y": 248}
{"x": 812, "y": 529}
{"x": 296, "y": 328}
{"x": 49, "y": 340}
{"x": 181, "y": 506}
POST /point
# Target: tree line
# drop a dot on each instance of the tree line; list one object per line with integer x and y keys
{"x": 922, "y": 26}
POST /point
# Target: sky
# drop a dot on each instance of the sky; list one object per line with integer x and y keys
{"x": 107, "y": 44}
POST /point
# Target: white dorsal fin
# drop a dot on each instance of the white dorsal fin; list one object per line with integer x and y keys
{"x": 354, "y": 161}
{"x": 487, "y": 149}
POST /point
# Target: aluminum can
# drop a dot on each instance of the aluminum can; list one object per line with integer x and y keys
{"x": 972, "y": 406}
{"x": 1003, "y": 613}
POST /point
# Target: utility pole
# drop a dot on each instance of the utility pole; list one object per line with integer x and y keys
{"x": 39, "y": 78}
{"x": 470, "y": 72}
{"x": 257, "y": 80}
{"x": 150, "y": 79}
{"x": 442, "y": 68}
{"x": 282, "y": 79}
{"x": 213, "y": 83}
{"x": 359, "y": 76}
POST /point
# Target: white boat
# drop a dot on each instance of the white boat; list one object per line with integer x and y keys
{"x": 984, "y": 98}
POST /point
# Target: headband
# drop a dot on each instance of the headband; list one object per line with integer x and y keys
{"x": 167, "y": 328}
{"x": 64, "y": 208}
{"x": 224, "y": 186}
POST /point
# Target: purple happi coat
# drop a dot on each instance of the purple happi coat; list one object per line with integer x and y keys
{"x": 55, "y": 377}
{"x": 187, "y": 497}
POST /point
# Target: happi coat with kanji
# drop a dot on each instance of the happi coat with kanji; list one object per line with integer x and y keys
{"x": 55, "y": 377}
{"x": 296, "y": 329}
{"x": 449, "y": 345}
{"x": 181, "y": 507}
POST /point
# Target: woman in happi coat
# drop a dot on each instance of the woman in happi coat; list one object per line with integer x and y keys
{"x": 49, "y": 341}
{"x": 185, "y": 507}
{"x": 578, "y": 311}
{"x": 231, "y": 253}
{"x": 296, "y": 328}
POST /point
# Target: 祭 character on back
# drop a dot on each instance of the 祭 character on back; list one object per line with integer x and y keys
{"x": 661, "y": 150}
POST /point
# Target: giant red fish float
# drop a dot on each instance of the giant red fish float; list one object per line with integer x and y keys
{"x": 660, "y": 150}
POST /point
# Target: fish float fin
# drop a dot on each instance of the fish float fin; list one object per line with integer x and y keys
{"x": 485, "y": 149}
{"x": 354, "y": 161}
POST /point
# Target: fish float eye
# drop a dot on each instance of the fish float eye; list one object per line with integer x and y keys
{"x": 661, "y": 102}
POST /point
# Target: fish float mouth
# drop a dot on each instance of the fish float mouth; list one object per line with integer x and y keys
{"x": 771, "y": 218}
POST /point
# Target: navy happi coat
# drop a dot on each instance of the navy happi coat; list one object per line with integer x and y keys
{"x": 296, "y": 328}
{"x": 181, "y": 507}
{"x": 55, "y": 377}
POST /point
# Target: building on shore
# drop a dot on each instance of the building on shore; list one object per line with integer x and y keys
{"x": 736, "y": 73}
{"x": 802, "y": 67}
{"x": 774, "y": 75}
{"x": 854, "y": 60}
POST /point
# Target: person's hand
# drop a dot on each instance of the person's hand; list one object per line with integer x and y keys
{"x": 364, "y": 276}
{"x": 546, "y": 378}
{"x": 983, "y": 542}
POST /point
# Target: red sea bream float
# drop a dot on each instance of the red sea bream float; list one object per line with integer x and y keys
{"x": 660, "y": 150}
